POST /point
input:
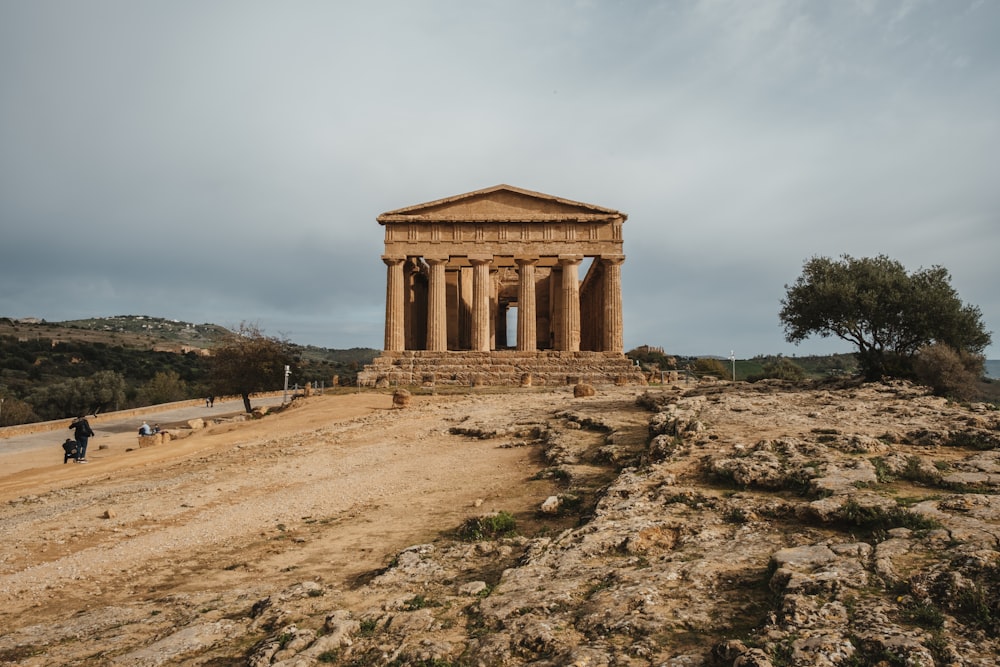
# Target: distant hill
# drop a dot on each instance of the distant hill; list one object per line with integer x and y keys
{"x": 993, "y": 368}
{"x": 139, "y": 331}
{"x": 144, "y": 332}
{"x": 48, "y": 368}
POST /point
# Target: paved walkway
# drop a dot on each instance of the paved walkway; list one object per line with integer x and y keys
{"x": 130, "y": 423}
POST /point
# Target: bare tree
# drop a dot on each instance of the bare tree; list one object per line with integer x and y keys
{"x": 249, "y": 362}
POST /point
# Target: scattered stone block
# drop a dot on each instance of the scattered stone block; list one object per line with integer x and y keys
{"x": 473, "y": 588}
{"x": 582, "y": 390}
{"x": 551, "y": 505}
{"x": 401, "y": 398}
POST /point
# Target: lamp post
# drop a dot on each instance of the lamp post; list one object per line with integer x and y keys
{"x": 284, "y": 397}
{"x": 732, "y": 358}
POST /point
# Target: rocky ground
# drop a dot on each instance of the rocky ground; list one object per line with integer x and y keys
{"x": 742, "y": 525}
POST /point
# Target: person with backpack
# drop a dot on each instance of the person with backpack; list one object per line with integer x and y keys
{"x": 83, "y": 433}
{"x": 69, "y": 450}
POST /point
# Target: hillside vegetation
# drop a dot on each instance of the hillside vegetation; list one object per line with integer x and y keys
{"x": 49, "y": 370}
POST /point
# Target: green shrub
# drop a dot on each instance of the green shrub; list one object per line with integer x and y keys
{"x": 783, "y": 368}
{"x": 709, "y": 366}
{"x": 981, "y": 441}
{"x": 925, "y": 615}
{"x": 779, "y": 368}
{"x": 488, "y": 527}
{"x": 948, "y": 372}
{"x": 882, "y": 472}
{"x": 736, "y": 515}
{"x": 882, "y": 519}
{"x": 419, "y": 602}
{"x": 368, "y": 627}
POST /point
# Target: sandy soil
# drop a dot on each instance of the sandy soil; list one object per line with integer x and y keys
{"x": 329, "y": 490}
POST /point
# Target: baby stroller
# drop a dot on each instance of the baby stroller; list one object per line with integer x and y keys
{"x": 69, "y": 450}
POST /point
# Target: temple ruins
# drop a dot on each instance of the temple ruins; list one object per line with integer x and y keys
{"x": 484, "y": 288}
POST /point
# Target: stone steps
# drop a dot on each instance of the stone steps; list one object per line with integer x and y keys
{"x": 504, "y": 368}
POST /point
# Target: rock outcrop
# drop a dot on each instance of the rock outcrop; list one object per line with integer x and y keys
{"x": 761, "y": 526}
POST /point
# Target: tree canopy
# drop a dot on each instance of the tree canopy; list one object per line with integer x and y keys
{"x": 887, "y": 313}
{"x": 248, "y": 363}
{"x": 101, "y": 392}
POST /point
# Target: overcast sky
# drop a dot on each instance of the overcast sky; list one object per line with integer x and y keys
{"x": 224, "y": 161}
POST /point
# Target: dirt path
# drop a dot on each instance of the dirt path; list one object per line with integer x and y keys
{"x": 329, "y": 490}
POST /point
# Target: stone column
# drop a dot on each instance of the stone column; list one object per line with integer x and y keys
{"x": 437, "y": 314}
{"x": 480, "y": 303}
{"x": 612, "y": 327}
{"x": 527, "y": 336}
{"x": 394, "y": 300}
{"x": 570, "y": 333}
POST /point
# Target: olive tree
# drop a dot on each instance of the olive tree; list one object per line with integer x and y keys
{"x": 886, "y": 312}
{"x": 14, "y": 411}
{"x": 248, "y": 362}
{"x": 103, "y": 391}
{"x": 165, "y": 387}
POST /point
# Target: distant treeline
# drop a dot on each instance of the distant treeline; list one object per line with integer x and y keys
{"x": 42, "y": 379}
{"x": 759, "y": 367}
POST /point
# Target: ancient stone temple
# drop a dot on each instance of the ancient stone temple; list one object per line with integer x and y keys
{"x": 485, "y": 288}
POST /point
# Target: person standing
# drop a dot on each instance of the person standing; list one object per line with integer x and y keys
{"x": 82, "y": 432}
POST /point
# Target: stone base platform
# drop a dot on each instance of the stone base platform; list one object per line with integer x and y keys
{"x": 499, "y": 368}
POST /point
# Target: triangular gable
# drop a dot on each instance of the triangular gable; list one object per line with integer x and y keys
{"x": 500, "y": 203}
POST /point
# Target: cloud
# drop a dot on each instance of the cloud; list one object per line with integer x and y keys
{"x": 226, "y": 161}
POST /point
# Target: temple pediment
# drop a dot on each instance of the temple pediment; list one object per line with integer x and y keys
{"x": 501, "y": 203}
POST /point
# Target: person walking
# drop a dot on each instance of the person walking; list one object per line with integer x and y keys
{"x": 82, "y": 432}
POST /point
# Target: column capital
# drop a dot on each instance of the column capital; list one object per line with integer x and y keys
{"x": 479, "y": 260}
{"x": 526, "y": 261}
{"x": 393, "y": 259}
{"x": 436, "y": 260}
{"x": 570, "y": 259}
{"x": 612, "y": 259}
